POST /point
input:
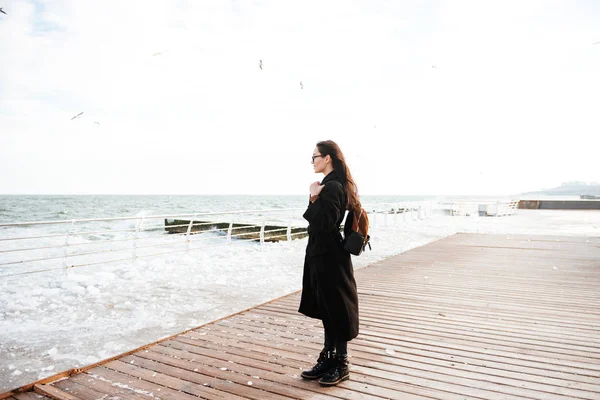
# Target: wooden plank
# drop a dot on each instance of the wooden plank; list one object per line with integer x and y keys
{"x": 375, "y": 314}
{"x": 457, "y": 286}
{"x": 451, "y": 322}
{"x": 501, "y": 376}
{"x": 493, "y": 306}
{"x": 473, "y": 355}
{"x": 108, "y": 388}
{"x": 162, "y": 381}
{"x": 30, "y": 396}
{"x": 209, "y": 375}
{"x": 152, "y": 388}
{"x": 293, "y": 367}
{"x": 289, "y": 353}
{"x": 53, "y": 392}
{"x": 403, "y": 377}
{"x": 274, "y": 383}
{"x": 430, "y": 355}
{"x": 504, "y": 349}
{"x": 77, "y": 390}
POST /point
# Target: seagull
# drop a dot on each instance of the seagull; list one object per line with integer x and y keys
{"x": 301, "y": 85}
{"x": 77, "y": 116}
{"x": 434, "y": 66}
{"x": 260, "y": 64}
{"x": 157, "y": 54}
{"x": 2, "y": 11}
{"x": 96, "y": 122}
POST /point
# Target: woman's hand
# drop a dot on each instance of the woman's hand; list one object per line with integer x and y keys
{"x": 315, "y": 188}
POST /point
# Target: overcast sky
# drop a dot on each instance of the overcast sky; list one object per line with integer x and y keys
{"x": 424, "y": 97}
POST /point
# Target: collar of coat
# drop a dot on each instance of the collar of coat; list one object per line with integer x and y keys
{"x": 332, "y": 176}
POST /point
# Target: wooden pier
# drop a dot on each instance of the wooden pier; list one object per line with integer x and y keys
{"x": 467, "y": 317}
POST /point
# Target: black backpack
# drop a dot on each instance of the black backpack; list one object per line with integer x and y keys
{"x": 356, "y": 234}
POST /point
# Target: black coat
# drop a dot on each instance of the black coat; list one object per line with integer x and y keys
{"x": 328, "y": 285}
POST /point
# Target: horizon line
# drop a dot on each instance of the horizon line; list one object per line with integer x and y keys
{"x": 246, "y": 194}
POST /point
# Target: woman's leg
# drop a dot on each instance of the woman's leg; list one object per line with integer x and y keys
{"x": 340, "y": 372}
{"x": 326, "y": 360}
{"x": 330, "y": 343}
{"x": 341, "y": 347}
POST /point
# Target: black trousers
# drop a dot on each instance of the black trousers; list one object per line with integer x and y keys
{"x": 331, "y": 343}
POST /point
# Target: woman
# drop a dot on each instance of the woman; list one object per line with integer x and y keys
{"x": 328, "y": 285}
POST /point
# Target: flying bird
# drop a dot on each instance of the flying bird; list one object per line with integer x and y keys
{"x": 157, "y": 54}
{"x": 2, "y": 11}
{"x": 260, "y": 64}
{"x": 301, "y": 85}
{"x": 77, "y": 116}
{"x": 96, "y": 122}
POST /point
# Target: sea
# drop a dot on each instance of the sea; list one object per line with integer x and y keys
{"x": 25, "y": 208}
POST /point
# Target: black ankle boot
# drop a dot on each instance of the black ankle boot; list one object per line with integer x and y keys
{"x": 339, "y": 373}
{"x": 325, "y": 362}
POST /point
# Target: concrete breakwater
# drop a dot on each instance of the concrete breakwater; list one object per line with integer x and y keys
{"x": 560, "y": 204}
{"x": 270, "y": 233}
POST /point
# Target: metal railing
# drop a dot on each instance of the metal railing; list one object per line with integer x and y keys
{"x": 484, "y": 208}
{"x": 40, "y": 246}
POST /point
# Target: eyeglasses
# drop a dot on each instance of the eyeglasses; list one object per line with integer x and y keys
{"x": 318, "y": 155}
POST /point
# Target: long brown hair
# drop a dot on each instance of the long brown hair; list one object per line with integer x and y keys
{"x": 329, "y": 147}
